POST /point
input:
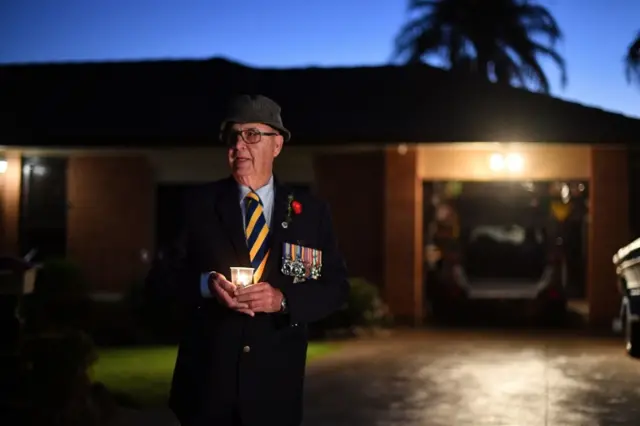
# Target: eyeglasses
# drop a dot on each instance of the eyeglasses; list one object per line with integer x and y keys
{"x": 250, "y": 136}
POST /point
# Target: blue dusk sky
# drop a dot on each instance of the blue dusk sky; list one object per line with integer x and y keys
{"x": 283, "y": 33}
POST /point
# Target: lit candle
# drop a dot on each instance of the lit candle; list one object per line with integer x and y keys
{"x": 242, "y": 277}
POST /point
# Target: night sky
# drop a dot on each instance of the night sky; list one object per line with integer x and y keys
{"x": 286, "y": 33}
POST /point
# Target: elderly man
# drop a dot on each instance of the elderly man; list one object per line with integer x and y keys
{"x": 242, "y": 356}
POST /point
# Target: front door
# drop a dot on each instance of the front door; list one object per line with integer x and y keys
{"x": 43, "y": 207}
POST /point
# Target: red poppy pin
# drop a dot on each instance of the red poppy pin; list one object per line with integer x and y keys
{"x": 295, "y": 207}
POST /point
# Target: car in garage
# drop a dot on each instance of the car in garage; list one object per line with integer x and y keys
{"x": 627, "y": 264}
{"x": 508, "y": 268}
{"x": 508, "y": 256}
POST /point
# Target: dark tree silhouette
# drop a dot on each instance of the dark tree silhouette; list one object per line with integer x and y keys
{"x": 632, "y": 61}
{"x": 500, "y": 40}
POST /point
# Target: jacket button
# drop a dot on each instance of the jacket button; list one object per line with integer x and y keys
{"x": 246, "y": 349}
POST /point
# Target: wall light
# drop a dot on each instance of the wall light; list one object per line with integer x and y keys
{"x": 34, "y": 170}
{"x": 515, "y": 162}
{"x": 512, "y": 162}
{"x": 496, "y": 162}
{"x": 3, "y": 165}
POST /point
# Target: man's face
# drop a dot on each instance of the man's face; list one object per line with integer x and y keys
{"x": 252, "y": 149}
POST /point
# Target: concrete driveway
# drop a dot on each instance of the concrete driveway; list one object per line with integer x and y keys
{"x": 475, "y": 378}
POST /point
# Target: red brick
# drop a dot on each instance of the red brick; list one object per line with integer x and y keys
{"x": 110, "y": 220}
{"x": 608, "y": 230}
{"x": 403, "y": 236}
{"x": 352, "y": 183}
{"x": 376, "y": 201}
{"x": 10, "y": 204}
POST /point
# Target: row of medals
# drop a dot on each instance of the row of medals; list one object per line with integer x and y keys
{"x": 298, "y": 269}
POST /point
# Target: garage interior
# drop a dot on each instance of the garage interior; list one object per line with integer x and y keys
{"x": 508, "y": 238}
{"x": 603, "y": 170}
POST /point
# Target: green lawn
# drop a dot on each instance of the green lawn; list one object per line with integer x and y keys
{"x": 143, "y": 375}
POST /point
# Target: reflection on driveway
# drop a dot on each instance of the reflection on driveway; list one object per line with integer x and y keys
{"x": 479, "y": 378}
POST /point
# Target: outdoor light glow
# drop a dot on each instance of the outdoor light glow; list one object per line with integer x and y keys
{"x": 512, "y": 162}
{"x": 515, "y": 162}
{"x": 496, "y": 162}
{"x": 565, "y": 193}
{"x": 39, "y": 170}
{"x": 3, "y": 166}
{"x": 34, "y": 169}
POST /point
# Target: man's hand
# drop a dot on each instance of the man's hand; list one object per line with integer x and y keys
{"x": 260, "y": 297}
{"x": 224, "y": 291}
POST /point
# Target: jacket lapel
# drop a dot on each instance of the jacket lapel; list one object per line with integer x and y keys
{"x": 280, "y": 208}
{"x": 228, "y": 208}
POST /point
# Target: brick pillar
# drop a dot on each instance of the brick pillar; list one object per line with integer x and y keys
{"x": 10, "y": 183}
{"x": 352, "y": 184}
{"x": 608, "y": 230}
{"x": 111, "y": 219}
{"x": 403, "y": 236}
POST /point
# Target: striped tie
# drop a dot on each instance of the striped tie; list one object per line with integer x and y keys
{"x": 257, "y": 233}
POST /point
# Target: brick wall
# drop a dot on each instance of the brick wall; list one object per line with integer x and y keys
{"x": 608, "y": 230}
{"x": 403, "y": 236}
{"x": 10, "y": 204}
{"x": 352, "y": 183}
{"x": 376, "y": 201}
{"x": 110, "y": 219}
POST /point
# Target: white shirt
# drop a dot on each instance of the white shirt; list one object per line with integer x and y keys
{"x": 266, "y": 194}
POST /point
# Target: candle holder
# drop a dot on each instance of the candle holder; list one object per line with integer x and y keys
{"x": 242, "y": 277}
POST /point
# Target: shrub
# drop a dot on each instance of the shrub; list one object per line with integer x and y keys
{"x": 155, "y": 320}
{"x": 60, "y": 299}
{"x": 365, "y": 306}
{"x": 58, "y": 385}
{"x": 61, "y": 281}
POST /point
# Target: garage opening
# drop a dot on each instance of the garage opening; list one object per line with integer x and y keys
{"x": 504, "y": 241}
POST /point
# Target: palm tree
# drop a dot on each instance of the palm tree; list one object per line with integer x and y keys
{"x": 500, "y": 40}
{"x": 632, "y": 60}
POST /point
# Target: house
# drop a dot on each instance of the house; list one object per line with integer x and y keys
{"x": 96, "y": 154}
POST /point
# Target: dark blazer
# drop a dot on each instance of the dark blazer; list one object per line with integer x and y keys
{"x": 229, "y": 362}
